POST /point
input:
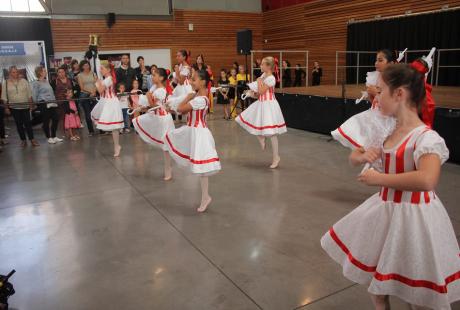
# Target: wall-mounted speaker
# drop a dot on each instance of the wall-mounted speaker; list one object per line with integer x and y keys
{"x": 244, "y": 42}
{"x": 111, "y": 19}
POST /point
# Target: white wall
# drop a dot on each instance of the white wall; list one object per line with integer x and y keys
{"x": 126, "y": 7}
{"x": 150, "y": 7}
{"x": 254, "y": 6}
{"x": 159, "y": 57}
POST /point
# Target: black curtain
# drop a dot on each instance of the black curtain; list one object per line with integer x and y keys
{"x": 421, "y": 32}
{"x": 27, "y": 29}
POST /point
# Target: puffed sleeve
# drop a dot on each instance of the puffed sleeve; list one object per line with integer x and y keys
{"x": 160, "y": 94}
{"x": 198, "y": 103}
{"x": 430, "y": 142}
{"x": 185, "y": 71}
{"x": 270, "y": 81}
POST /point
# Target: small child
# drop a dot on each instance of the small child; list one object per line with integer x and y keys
{"x": 134, "y": 98}
{"x": 71, "y": 120}
{"x": 124, "y": 102}
{"x": 222, "y": 93}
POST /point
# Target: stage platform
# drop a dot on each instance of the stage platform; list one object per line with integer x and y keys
{"x": 444, "y": 96}
{"x": 323, "y": 108}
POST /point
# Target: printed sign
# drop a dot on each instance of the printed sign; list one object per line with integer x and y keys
{"x": 12, "y": 49}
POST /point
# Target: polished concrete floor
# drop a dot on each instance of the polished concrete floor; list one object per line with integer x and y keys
{"x": 87, "y": 231}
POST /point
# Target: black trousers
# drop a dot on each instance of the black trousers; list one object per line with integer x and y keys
{"x": 297, "y": 82}
{"x": 50, "y": 115}
{"x": 2, "y": 122}
{"x": 87, "y": 105}
{"x": 23, "y": 123}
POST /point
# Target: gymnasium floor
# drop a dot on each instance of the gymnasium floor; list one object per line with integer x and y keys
{"x": 86, "y": 231}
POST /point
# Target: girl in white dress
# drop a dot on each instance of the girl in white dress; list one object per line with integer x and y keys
{"x": 192, "y": 145}
{"x": 107, "y": 113}
{"x": 153, "y": 126}
{"x": 401, "y": 241}
{"x": 264, "y": 118}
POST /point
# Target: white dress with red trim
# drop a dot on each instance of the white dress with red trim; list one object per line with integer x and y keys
{"x": 401, "y": 243}
{"x": 264, "y": 117}
{"x": 192, "y": 145}
{"x": 181, "y": 90}
{"x": 107, "y": 112}
{"x": 354, "y": 132}
{"x": 153, "y": 126}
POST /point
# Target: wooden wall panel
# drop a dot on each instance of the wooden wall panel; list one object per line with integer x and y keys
{"x": 321, "y": 25}
{"x": 214, "y": 34}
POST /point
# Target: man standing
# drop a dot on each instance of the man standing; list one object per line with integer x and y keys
{"x": 142, "y": 74}
{"x": 126, "y": 74}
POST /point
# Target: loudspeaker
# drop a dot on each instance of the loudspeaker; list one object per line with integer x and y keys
{"x": 111, "y": 19}
{"x": 244, "y": 42}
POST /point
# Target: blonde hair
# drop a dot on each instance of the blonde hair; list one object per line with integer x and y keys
{"x": 270, "y": 61}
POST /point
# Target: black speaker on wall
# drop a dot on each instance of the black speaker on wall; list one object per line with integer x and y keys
{"x": 111, "y": 19}
{"x": 244, "y": 41}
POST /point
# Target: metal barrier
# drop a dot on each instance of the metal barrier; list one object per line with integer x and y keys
{"x": 434, "y": 78}
{"x": 439, "y": 66}
{"x": 281, "y": 52}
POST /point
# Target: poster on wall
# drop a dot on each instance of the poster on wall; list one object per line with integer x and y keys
{"x": 114, "y": 59}
{"x": 25, "y": 55}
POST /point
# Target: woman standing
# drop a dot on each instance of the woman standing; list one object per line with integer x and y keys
{"x": 41, "y": 93}
{"x": 87, "y": 82}
{"x": 316, "y": 73}
{"x": 15, "y": 93}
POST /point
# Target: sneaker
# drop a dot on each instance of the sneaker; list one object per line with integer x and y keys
{"x": 127, "y": 130}
{"x": 121, "y": 131}
{"x": 51, "y": 141}
{"x": 56, "y": 139}
{"x": 82, "y": 126}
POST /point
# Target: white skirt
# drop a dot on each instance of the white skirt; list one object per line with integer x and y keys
{"x": 193, "y": 148}
{"x": 399, "y": 249}
{"x": 107, "y": 114}
{"x": 152, "y": 128}
{"x": 263, "y": 119}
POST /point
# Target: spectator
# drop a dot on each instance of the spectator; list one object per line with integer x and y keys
{"x": 16, "y": 94}
{"x": 87, "y": 82}
{"x": 3, "y": 140}
{"x": 287, "y": 79}
{"x": 299, "y": 75}
{"x": 41, "y": 92}
{"x": 317, "y": 73}
{"x": 199, "y": 64}
{"x": 232, "y": 79}
{"x": 142, "y": 74}
{"x": 222, "y": 93}
{"x": 63, "y": 84}
{"x": 242, "y": 78}
{"x": 235, "y": 66}
{"x": 125, "y": 74}
{"x": 150, "y": 77}
{"x": 73, "y": 76}
{"x": 257, "y": 70}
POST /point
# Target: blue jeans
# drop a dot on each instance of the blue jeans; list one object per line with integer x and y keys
{"x": 125, "y": 117}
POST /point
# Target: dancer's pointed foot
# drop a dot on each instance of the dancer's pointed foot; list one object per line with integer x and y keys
{"x": 117, "y": 150}
{"x": 168, "y": 175}
{"x": 275, "y": 163}
{"x": 204, "y": 205}
{"x": 261, "y": 141}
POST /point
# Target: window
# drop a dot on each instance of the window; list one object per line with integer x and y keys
{"x": 16, "y": 6}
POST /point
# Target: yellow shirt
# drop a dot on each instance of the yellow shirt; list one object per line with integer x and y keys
{"x": 232, "y": 80}
{"x": 241, "y": 77}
